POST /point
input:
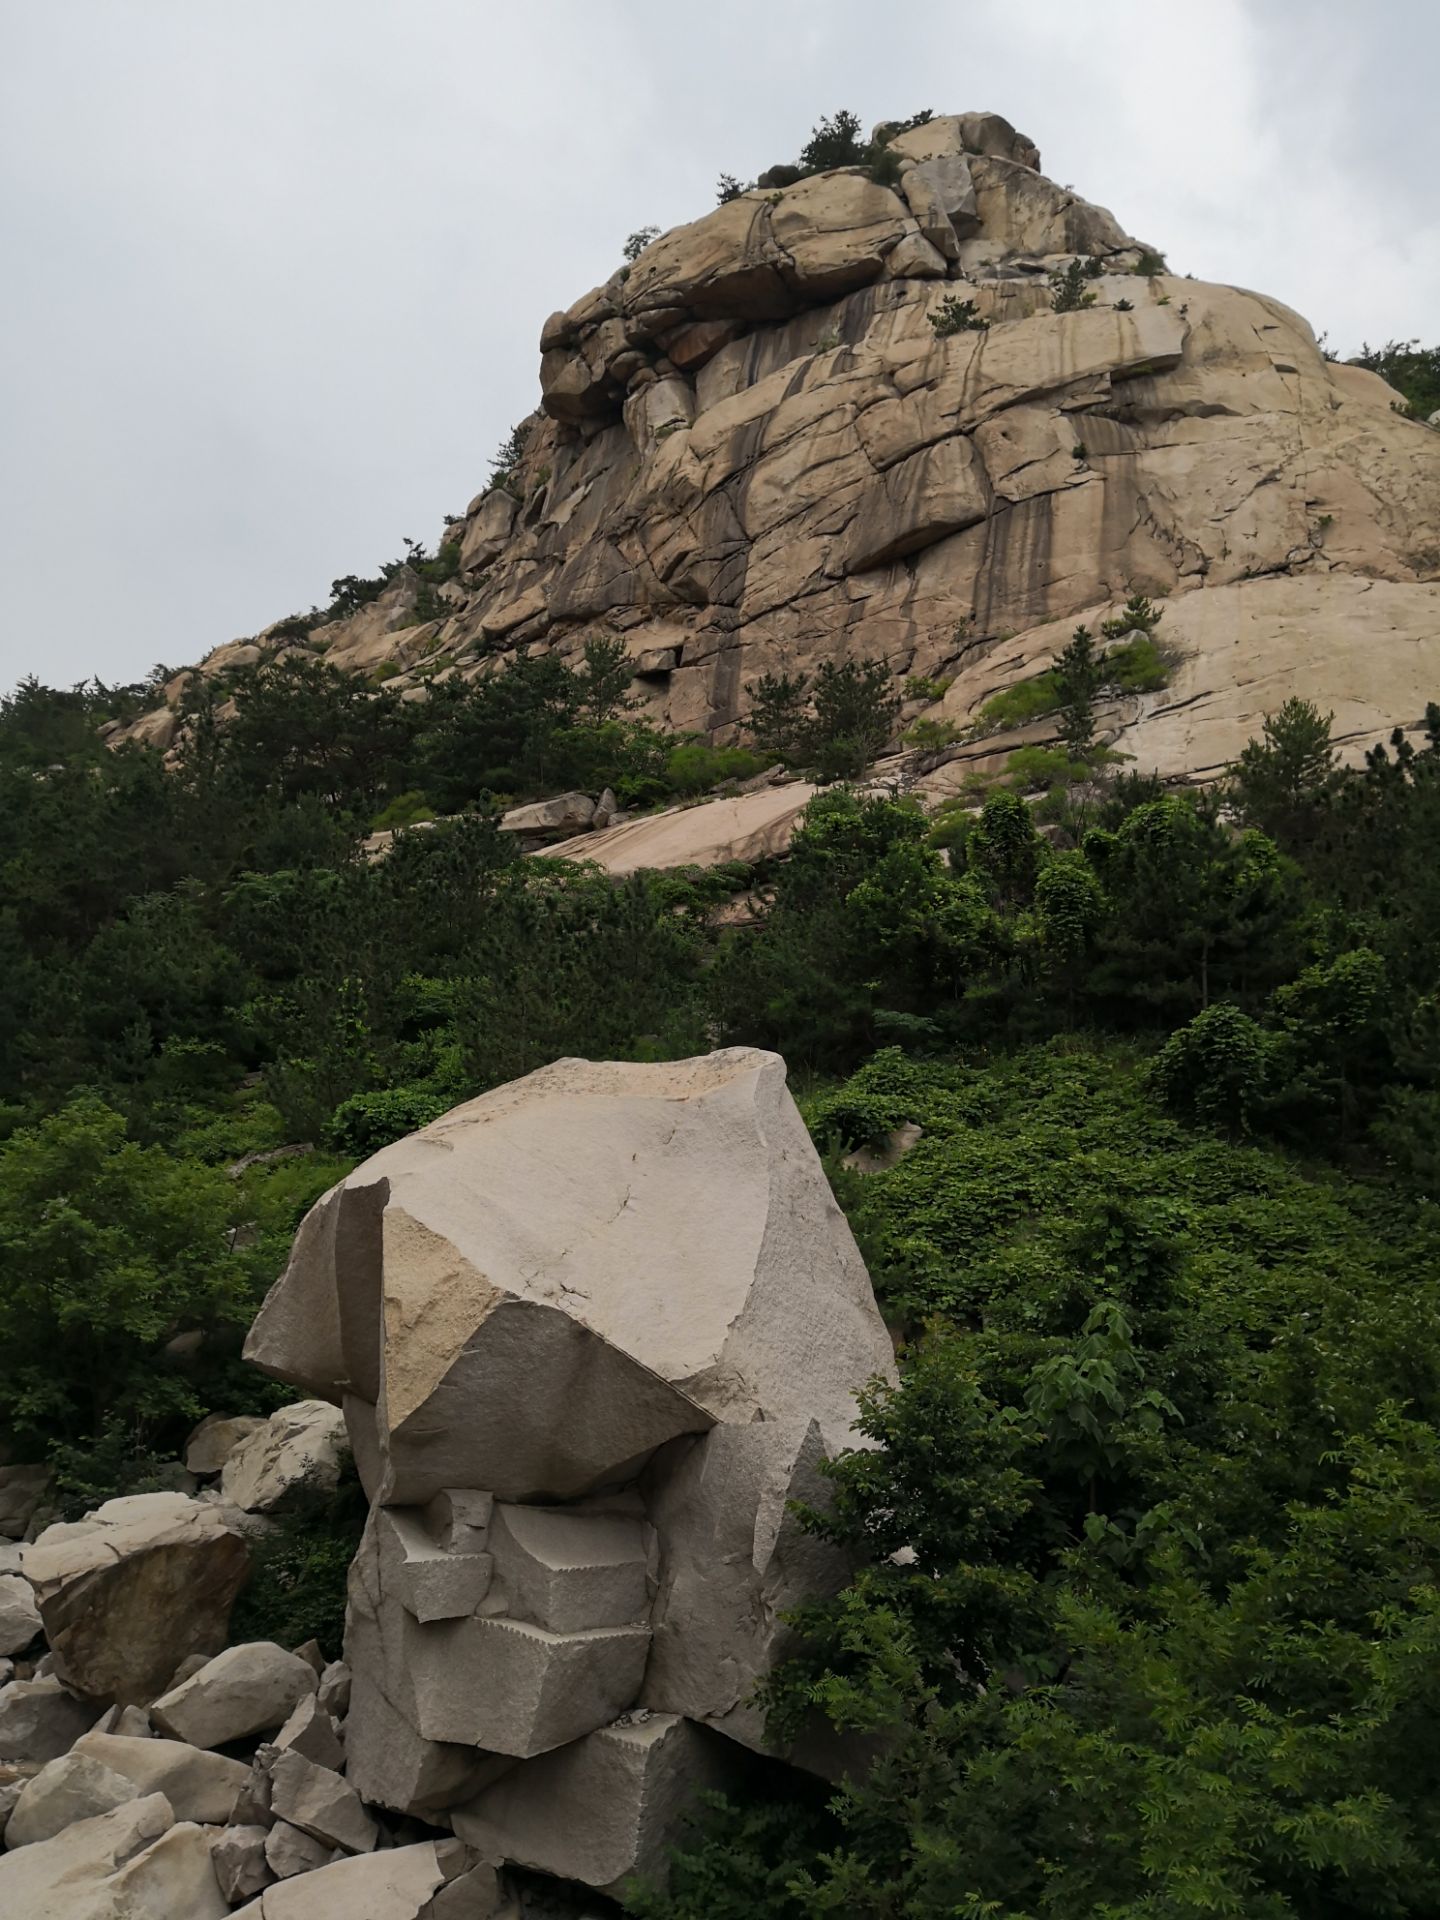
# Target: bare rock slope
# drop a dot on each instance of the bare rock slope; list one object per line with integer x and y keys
{"x": 758, "y": 452}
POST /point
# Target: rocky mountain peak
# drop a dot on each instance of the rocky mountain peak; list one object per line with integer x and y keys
{"x": 934, "y": 409}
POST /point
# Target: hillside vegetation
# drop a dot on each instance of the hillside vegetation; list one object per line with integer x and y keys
{"x": 1150, "y": 1625}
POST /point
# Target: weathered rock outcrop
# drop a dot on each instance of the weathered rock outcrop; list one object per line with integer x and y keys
{"x": 761, "y": 448}
{"x": 593, "y": 1331}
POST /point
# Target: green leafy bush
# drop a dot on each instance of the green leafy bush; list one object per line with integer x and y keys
{"x": 955, "y": 316}
{"x": 366, "y": 1122}
{"x": 298, "y": 1571}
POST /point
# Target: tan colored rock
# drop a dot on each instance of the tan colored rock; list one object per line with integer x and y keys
{"x": 297, "y": 1452}
{"x": 310, "y": 1731}
{"x": 566, "y": 1571}
{"x": 835, "y": 230}
{"x": 940, "y": 192}
{"x": 136, "y": 1583}
{"x": 238, "y": 1857}
{"x": 289, "y": 1852}
{"x": 734, "y": 1561}
{"x": 487, "y": 528}
{"x": 211, "y": 1444}
{"x": 319, "y": 1802}
{"x": 199, "y": 1786}
{"x": 588, "y": 1286}
{"x": 432, "y": 1581}
{"x": 40, "y": 1719}
{"x": 745, "y": 827}
{"x": 395, "y": 1885}
{"x": 604, "y": 1808}
{"x": 564, "y": 814}
{"x": 915, "y": 503}
{"x": 133, "y": 1863}
{"x": 132, "y": 1723}
{"x": 19, "y": 1615}
{"x": 914, "y": 258}
{"x": 71, "y": 1788}
{"x": 244, "y": 1690}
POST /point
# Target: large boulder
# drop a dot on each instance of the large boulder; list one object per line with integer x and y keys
{"x": 247, "y": 1689}
{"x": 41, "y": 1719}
{"x": 134, "y": 1863}
{"x": 395, "y": 1885}
{"x": 19, "y": 1615}
{"x": 73, "y": 1787}
{"x": 604, "y": 1808}
{"x": 298, "y": 1451}
{"x": 200, "y": 1786}
{"x": 127, "y": 1591}
{"x": 683, "y": 1261}
{"x": 600, "y": 1327}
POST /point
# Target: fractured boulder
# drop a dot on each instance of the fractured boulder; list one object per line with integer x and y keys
{"x": 131, "y": 1587}
{"x": 603, "y": 1808}
{"x": 591, "y": 1299}
{"x": 247, "y": 1689}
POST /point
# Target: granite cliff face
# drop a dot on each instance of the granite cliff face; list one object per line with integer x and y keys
{"x": 756, "y": 452}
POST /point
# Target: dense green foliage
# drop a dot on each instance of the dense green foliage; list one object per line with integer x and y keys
{"x": 1411, "y": 369}
{"x": 1162, "y": 1639}
{"x": 1163, "y": 1265}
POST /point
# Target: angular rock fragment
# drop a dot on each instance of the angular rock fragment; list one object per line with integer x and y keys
{"x": 568, "y": 1571}
{"x": 431, "y": 1582}
{"x": 40, "y": 1719}
{"x": 19, "y": 1615}
{"x": 133, "y": 1863}
{"x": 311, "y": 1731}
{"x": 318, "y": 1801}
{"x": 199, "y": 1786}
{"x": 71, "y": 1788}
{"x": 246, "y": 1689}
{"x": 735, "y": 1559}
{"x": 333, "y": 1692}
{"x": 211, "y": 1444}
{"x": 290, "y": 1851}
{"x": 395, "y": 1885}
{"x": 298, "y": 1450}
{"x": 126, "y": 1591}
{"x": 603, "y": 1808}
{"x": 238, "y": 1857}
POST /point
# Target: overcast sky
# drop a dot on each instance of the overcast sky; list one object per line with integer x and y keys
{"x": 274, "y": 271}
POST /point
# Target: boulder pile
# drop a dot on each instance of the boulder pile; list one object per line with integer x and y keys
{"x": 590, "y": 1336}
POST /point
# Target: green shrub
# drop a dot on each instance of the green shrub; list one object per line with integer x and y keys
{"x": 1150, "y": 264}
{"x": 298, "y": 1571}
{"x": 929, "y": 736}
{"x": 955, "y": 316}
{"x": 405, "y": 810}
{"x": 1136, "y": 667}
{"x": 366, "y": 1122}
{"x": 1069, "y": 293}
{"x": 1031, "y": 769}
{"x": 1016, "y": 706}
{"x": 695, "y": 766}
{"x": 918, "y": 687}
